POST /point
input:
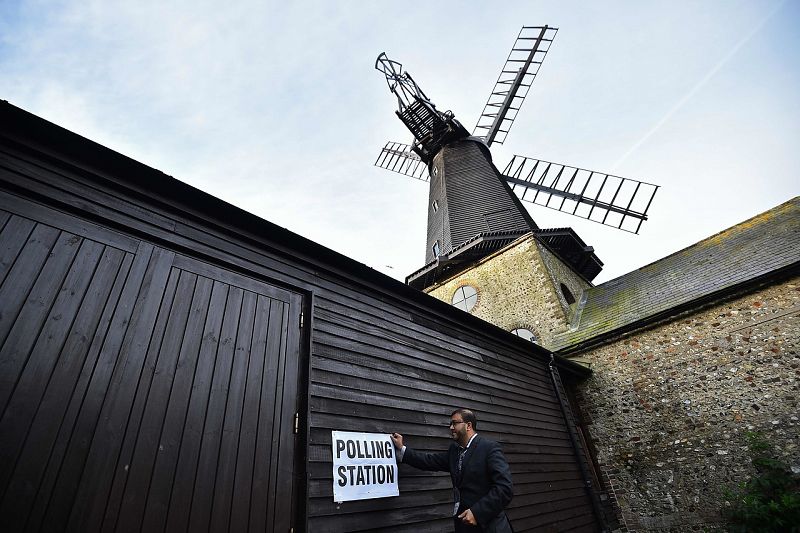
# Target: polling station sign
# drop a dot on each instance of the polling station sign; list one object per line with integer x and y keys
{"x": 364, "y": 466}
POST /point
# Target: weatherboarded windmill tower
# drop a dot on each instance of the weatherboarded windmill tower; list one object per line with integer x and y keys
{"x": 475, "y": 210}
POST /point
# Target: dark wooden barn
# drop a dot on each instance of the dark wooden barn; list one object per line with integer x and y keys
{"x": 169, "y": 362}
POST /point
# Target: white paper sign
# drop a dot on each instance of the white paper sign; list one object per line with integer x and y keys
{"x": 364, "y": 466}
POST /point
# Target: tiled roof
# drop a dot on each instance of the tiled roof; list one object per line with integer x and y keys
{"x": 743, "y": 253}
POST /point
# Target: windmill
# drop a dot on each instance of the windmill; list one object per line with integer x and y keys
{"x": 474, "y": 209}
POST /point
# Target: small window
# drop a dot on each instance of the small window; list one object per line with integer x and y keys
{"x": 567, "y": 294}
{"x": 435, "y": 206}
{"x": 465, "y": 297}
{"x": 525, "y": 334}
{"x": 435, "y": 171}
{"x": 436, "y": 249}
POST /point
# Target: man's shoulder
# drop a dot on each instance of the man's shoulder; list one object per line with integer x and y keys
{"x": 485, "y": 443}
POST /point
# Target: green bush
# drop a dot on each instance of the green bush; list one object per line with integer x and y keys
{"x": 770, "y": 500}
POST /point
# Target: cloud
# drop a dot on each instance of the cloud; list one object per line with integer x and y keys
{"x": 276, "y": 107}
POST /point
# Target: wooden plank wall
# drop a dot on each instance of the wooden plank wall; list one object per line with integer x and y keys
{"x": 392, "y": 373}
{"x": 136, "y": 393}
{"x": 380, "y": 360}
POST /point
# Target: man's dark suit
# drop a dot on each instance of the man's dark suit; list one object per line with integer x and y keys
{"x": 484, "y": 484}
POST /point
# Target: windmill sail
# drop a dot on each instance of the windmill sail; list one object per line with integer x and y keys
{"x": 514, "y": 82}
{"x": 604, "y": 198}
{"x": 399, "y": 157}
{"x": 465, "y": 190}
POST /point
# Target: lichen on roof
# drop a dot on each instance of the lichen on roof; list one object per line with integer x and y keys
{"x": 743, "y": 253}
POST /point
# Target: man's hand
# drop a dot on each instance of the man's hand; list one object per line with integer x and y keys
{"x": 397, "y": 439}
{"x": 468, "y": 518}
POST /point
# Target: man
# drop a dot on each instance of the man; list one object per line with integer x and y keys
{"x": 479, "y": 471}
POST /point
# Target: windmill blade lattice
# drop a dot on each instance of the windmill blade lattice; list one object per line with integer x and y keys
{"x": 514, "y": 82}
{"x": 603, "y": 198}
{"x": 399, "y": 158}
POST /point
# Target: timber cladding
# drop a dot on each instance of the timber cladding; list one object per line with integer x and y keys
{"x": 374, "y": 377}
{"x": 139, "y": 390}
{"x": 156, "y": 343}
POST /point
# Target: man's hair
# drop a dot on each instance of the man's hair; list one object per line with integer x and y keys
{"x": 467, "y": 416}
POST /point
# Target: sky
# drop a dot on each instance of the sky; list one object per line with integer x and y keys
{"x": 276, "y": 107}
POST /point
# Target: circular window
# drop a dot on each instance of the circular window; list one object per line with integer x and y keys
{"x": 465, "y": 297}
{"x": 525, "y": 334}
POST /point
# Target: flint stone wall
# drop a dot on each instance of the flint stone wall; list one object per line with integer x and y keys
{"x": 517, "y": 290}
{"x": 561, "y": 273}
{"x": 668, "y": 408}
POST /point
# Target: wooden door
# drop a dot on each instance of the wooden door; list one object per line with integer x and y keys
{"x": 140, "y": 389}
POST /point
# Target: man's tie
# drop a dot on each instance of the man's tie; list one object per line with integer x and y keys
{"x": 457, "y": 480}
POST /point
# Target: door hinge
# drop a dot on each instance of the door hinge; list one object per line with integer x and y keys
{"x": 302, "y": 317}
{"x": 296, "y": 423}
